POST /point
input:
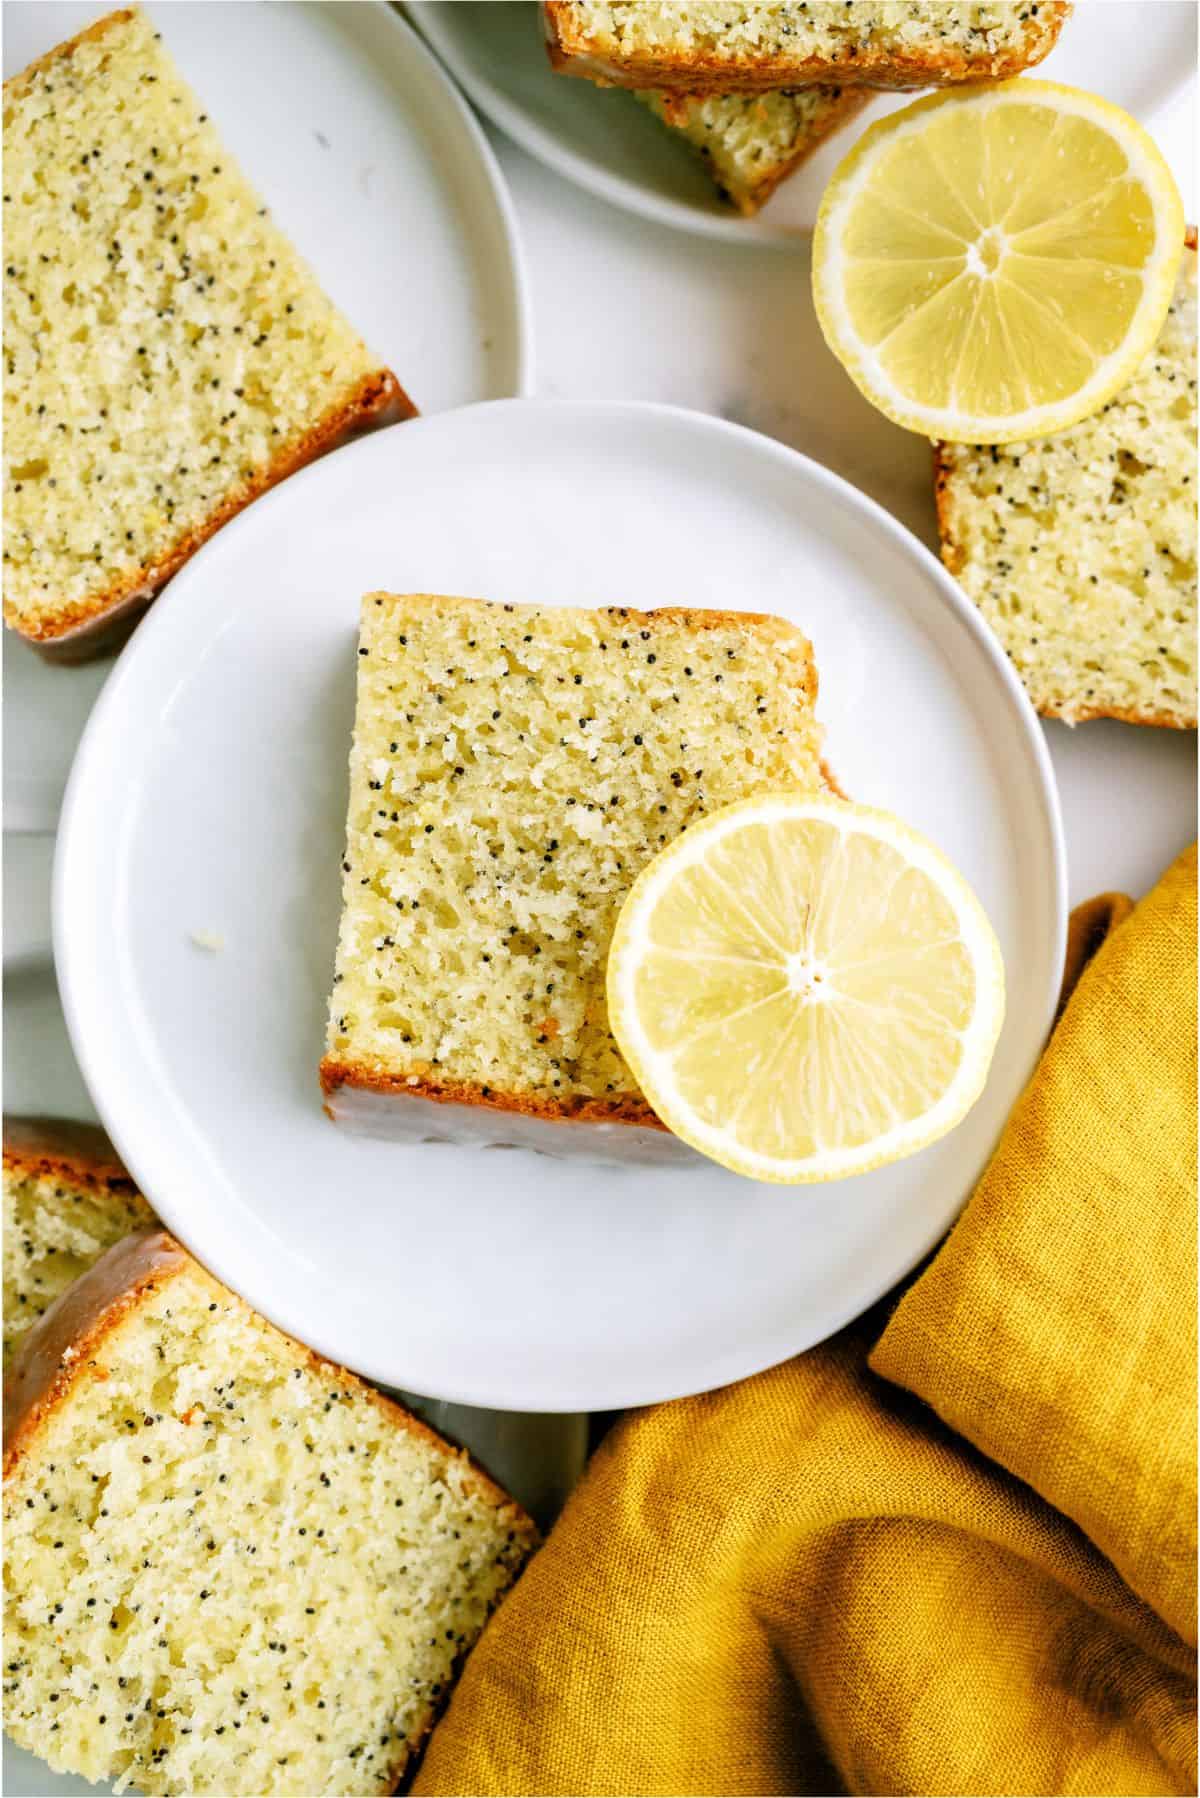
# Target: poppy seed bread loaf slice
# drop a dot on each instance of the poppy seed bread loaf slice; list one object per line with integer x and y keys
{"x": 513, "y": 770}
{"x": 1080, "y": 549}
{"x": 752, "y": 142}
{"x": 66, "y": 1200}
{"x": 731, "y": 46}
{"x": 230, "y": 1567}
{"x": 168, "y": 354}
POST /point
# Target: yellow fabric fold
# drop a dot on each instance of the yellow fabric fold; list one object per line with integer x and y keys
{"x": 817, "y": 1581}
{"x": 1057, "y": 1327}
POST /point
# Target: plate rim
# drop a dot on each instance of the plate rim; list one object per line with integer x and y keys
{"x": 719, "y": 1368}
{"x": 33, "y": 802}
{"x": 525, "y": 372}
{"x": 562, "y": 160}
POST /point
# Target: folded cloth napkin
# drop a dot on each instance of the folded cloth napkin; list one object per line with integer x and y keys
{"x": 954, "y": 1557}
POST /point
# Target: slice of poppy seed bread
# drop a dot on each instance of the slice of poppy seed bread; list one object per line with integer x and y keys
{"x": 730, "y": 46}
{"x": 1080, "y": 549}
{"x": 514, "y": 768}
{"x": 168, "y": 353}
{"x": 66, "y": 1200}
{"x": 230, "y": 1567}
{"x": 752, "y": 142}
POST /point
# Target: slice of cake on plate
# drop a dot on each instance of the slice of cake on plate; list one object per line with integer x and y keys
{"x": 168, "y": 353}
{"x": 513, "y": 770}
{"x": 1080, "y": 549}
{"x": 730, "y": 46}
{"x": 231, "y": 1567}
{"x": 752, "y": 142}
{"x": 67, "y": 1199}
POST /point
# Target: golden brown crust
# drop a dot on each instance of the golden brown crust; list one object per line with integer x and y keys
{"x": 61, "y": 1347}
{"x": 832, "y": 782}
{"x": 572, "y": 54}
{"x": 16, "y": 83}
{"x": 76, "y": 1154}
{"x": 695, "y": 617}
{"x": 1121, "y": 715}
{"x": 81, "y": 629}
{"x": 952, "y": 550}
{"x": 65, "y": 1148}
{"x": 422, "y": 1083}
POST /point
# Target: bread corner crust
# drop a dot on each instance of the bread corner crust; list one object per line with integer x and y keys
{"x": 15, "y": 83}
{"x": 86, "y": 628}
{"x": 1049, "y": 708}
{"x": 571, "y": 55}
{"x": 421, "y": 1083}
{"x": 951, "y": 549}
{"x": 63, "y": 1146}
{"x": 61, "y": 1347}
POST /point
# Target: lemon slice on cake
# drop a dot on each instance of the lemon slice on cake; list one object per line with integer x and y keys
{"x": 805, "y": 989}
{"x": 994, "y": 263}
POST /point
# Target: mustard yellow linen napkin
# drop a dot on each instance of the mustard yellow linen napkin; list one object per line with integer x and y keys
{"x": 817, "y": 1581}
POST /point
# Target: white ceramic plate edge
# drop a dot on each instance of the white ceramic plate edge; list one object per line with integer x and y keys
{"x": 721, "y": 1366}
{"x": 525, "y": 372}
{"x": 562, "y": 160}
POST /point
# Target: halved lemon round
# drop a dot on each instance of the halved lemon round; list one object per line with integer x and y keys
{"x": 993, "y": 263}
{"x": 804, "y": 988}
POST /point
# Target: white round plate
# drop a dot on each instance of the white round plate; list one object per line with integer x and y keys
{"x": 372, "y": 163}
{"x": 1136, "y": 52}
{"x": 208, "y": 798}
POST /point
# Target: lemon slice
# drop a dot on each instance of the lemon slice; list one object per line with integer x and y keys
{"x": 993, "y": 263}
{"x": 804, "y": 988}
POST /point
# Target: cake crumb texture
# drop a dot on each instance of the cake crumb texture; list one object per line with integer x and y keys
{"x": 65, "y": 1202}
{"x": 728, "y": 45}
{"x": 231, "y": 1568}
{"x": 167, "y": 352}
{"x": 514, "y": 768}
{"x": 752, "y": 142}
{"x": 1080, "y": 549}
